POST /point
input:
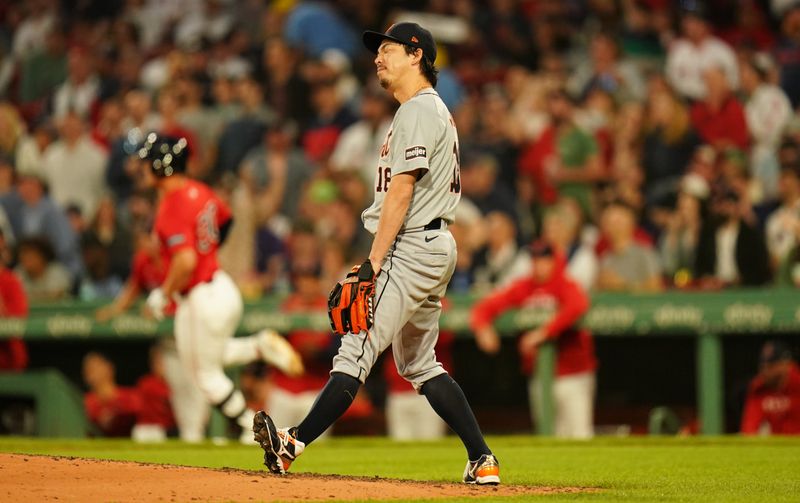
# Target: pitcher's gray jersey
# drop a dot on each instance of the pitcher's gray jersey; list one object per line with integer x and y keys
{"x": 422, "y": 136}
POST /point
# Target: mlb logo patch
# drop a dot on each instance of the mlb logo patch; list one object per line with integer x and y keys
{"x": 414, "y": 152}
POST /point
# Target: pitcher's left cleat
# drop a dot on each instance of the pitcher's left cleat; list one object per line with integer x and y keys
{"x": 280, "y": 446}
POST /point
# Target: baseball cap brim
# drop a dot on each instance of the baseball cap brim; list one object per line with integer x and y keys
{"x": 372, "y": 40}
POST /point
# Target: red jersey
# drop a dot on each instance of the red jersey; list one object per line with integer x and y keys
{"x": 13, "y": 304}
{"x": 726, "y": 125}
{"x": 190, "y": 217}
{"x": 116, "y": 416}
{"x": 314, "y": 348}
{"x": 146, "y": 273}
{"x": 156, "y": 409}
{"x": 779, "y": 408}
{"x": 575, "y": 346}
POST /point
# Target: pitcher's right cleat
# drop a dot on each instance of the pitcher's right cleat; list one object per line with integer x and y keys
{"x": 280, "y": 445}
{"x": 484, "y": 471}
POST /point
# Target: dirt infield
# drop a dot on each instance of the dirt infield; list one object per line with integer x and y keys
{"x": 27, "y": 478}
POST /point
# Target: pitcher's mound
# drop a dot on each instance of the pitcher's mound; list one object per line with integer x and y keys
{"x": 27, "y": 478}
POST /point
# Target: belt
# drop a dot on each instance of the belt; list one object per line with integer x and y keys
{"x": 434, "y": 224}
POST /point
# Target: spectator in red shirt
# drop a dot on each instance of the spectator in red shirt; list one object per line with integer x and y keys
{"x": 110, "y": 408}
{"x": 719, "y": 118}
{"x": 13, "y": 304}
{"x": 548, "y": 287}
{"x": 155, "y": 418}
{"x": 773, "y": 399}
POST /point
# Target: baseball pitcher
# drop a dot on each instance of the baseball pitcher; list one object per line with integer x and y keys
{"x": 394, "y": 297}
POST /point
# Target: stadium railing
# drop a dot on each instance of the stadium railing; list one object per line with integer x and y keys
{"x": 707, "y": 316}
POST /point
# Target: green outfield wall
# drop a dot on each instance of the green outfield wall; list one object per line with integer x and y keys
{"x": 705, "y": 316}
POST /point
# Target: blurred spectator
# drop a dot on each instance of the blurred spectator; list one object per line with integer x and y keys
{"x": 42, "y": 277}
{"x": 275, "y": 172}
{"x": 110, "y": 408}
{"x": 80, "y": 92}
{"x": 493, "y": 136}
{"x": 7, "y": 173}
{"x": 731, "y": 250}
{"x": 155, "y": 418}
{"x": 31, "y": 34}
{"x": 787, "y": 54}
{"x": 329, "y": 118}
{"x": 692, "y": 55}
{"x": 13, "y": 304}
{"x": 719, "y": 118}
{"x": 74, "y": 167}
{"x": 78, "y": 224}
{"x": 751, "y": 28}
{"x": 669, "y": 143}
{"x": 628, "y": 265}
{"x": 501, "y": 261}
{"x": 358, "y": 147}
{"x": 12, "y": 129}
{"x": 113, "y": 235}
{"x": 548, "y": 287}
{"x": 768, "y": 112}
{"x": 772, "y": 406}
{"x": 98, "y": 281}
{"x": 30, "y": 152}
{"x": 287, "y": 91}
{"x": 194, "y": 115}
{"x": 31, "y": 213}
{"x": 244, "y": 132}
{"x": 315, "y": 26}
{"x": 678, "y": 243}
{"x": 507, "y": 32}
{"x": 783, "y": 225}
{"x": 109, "y": 127}
{"x": 606, "y": 70}
{"x": 44, "y": 69}
{"x": 293, "y": 396}
{"x": 563, "y": 229}
{"x": 479, "y": 184}
{"x": 462, "y": 279}
{"x": 564, "y": 160}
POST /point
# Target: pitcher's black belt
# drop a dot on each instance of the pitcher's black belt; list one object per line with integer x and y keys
{"x": 434, "y": 224}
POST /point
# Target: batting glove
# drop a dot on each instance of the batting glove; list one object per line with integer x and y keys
{"x": 157, "y": 303}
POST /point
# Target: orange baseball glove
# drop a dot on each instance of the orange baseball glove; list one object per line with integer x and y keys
{"x": 350, "y": 301}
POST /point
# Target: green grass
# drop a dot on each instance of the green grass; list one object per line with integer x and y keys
{"x": 632, "y": 469}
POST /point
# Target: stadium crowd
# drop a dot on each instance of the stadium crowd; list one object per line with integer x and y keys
{"x": 655, "y": 144}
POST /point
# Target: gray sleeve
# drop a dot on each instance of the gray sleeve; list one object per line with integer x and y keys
{"x": 413, "y": 138}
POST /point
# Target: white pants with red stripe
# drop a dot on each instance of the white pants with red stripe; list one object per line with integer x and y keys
{"x": 205, "y": 322}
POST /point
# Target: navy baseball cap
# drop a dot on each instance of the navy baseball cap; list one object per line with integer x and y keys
{"x": 403, "y": 33}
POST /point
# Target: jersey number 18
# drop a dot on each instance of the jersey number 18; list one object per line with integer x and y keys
{"x": 455, "y": 185}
